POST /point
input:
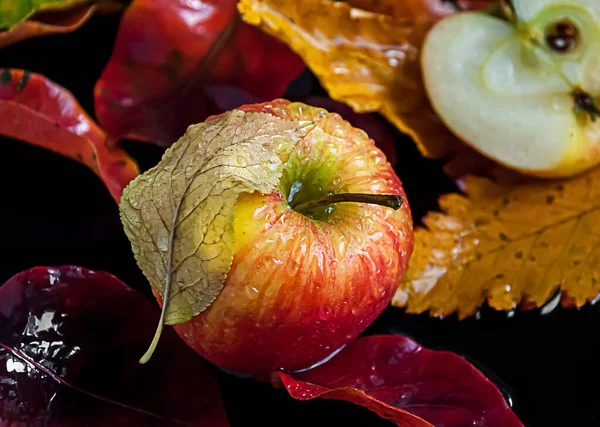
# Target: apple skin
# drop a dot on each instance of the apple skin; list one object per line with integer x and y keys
{"x": 299, "y": 288}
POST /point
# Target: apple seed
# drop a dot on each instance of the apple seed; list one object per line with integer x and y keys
{"x": 562, "y": 36}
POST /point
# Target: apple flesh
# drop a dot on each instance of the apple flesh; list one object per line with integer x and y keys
{"x": 521, "y": 90}
{"x": 304, "y": 282}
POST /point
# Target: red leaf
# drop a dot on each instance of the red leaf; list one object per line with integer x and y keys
{"x": 40, "y": 112}
{"x": 406, "y": 383}
{"x": 70, "y": 341}
{"x": 176, "y": 62}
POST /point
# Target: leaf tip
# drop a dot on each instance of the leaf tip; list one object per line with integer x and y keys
{"x": 146, "y": 357}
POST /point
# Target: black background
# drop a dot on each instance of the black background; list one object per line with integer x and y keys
{"x": 55, "y": 211}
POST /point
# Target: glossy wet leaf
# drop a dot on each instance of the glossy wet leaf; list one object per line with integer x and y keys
{"x": 179, "y": 214}
{"x": 38, "y": 111}
{"x": 367, "y": 56}
{"x": 406, "y": 383}
{"x": 507, "y": 245}
{"x": 177, "y": 62}
{"x": 66, "y": 332}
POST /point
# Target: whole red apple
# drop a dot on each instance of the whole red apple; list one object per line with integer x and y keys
{"x": 314, "y": 262}
{"x": 303, "y": 285}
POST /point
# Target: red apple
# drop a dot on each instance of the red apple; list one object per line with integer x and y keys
{"x": 315, "y": 261}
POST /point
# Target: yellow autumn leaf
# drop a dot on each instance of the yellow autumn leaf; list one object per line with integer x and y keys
{"x": 366, "y": 54}
{"x": 507, "y": 244}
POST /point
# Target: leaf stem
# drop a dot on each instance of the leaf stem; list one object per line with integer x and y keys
{"x": 388, "y": 200}
{"x": 167, "y": 291}
{"x": 148, "y": 354}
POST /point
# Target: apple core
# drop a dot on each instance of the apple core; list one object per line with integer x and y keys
{"x": 520, "y": 84}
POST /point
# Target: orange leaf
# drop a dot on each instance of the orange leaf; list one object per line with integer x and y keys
{"x": 367, "y": 56}
{"x": 510, "y": 245}
{"x": 38, "y": 111}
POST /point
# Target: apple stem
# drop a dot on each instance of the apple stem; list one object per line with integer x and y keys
{"x": 388, "y": 200}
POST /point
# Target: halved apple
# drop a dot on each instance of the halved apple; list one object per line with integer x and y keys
{"x": 520, "y": 86}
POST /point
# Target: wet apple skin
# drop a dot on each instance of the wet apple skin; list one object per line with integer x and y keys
{"x": 299, "y": 288}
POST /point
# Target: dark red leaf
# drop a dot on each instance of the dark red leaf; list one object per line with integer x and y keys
{"x": 369, "y": 122}
{"x": 40, "y": 112}
{"x": 176, "y": 62}
{"x": 87, "y": 330}
{"x": 406, "y": 383}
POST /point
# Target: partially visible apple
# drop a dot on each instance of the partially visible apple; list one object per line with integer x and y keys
{"x": 307, "y": 280}
{"x": 521, "y": 86}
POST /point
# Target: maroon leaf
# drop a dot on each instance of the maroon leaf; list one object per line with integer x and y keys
{"x": 406, "y": 383}
{"x": 70, "y": 341}
{"x": 176, "y": 62}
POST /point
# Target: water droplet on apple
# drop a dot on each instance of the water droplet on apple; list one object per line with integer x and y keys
{"x": 294, "y": 189}
{"x": 324, "y": 313}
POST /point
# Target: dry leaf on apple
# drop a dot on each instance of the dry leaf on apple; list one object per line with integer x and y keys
{"x": 179, "y": 214}
{"x": 366, "y": 54}
{"x": 508, "y": 245}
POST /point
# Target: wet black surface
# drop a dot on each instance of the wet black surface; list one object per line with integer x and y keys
{"x": 55, "y": 211}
